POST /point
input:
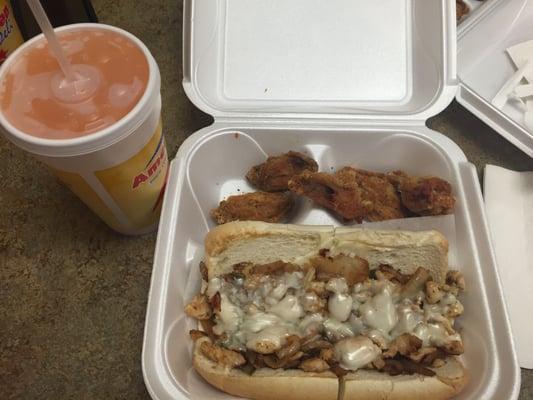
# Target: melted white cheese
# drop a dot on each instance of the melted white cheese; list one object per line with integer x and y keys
{"x": 336, "y": 330}
{"x": 380, "y": 311}
{"x": 259, "y": 321}
{"x": 288, "y": 309}
{"x": 340, "y": 306}
{"x": 261, "y": 317}
{"x": 279, "y": 291}
{"x": 230, "y": 315}
{"x": 379, "y": 338}
{"x": 355, "y": 353}
{"x": 268, "y": 340}
{"x": 431, "y": 334}
{"x": 214, "y": 286}
{"x": 409, "y": 316}
{"x": 294, "y": 279}
{"x": 337, "y": 285}
{"x": 357, "y": 324}
{"x": 311, "y": 324}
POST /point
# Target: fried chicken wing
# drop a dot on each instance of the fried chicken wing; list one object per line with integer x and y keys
{"x": 334, "y": 192}
{"x": 274, "y": 174}
{"x": 353, "y": 194}
{"x": 380, "y": 199}
{"x": 257, "y": 206}
{"x": 425, "y": 195}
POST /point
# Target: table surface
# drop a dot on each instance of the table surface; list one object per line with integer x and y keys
{"x": 72, "y": 292}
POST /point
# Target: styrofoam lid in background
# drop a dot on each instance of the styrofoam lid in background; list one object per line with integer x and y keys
{"x": 483, "y": 65}
{"x": 387, "y": 59}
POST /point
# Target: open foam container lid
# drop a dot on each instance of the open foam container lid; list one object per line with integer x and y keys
{"x": 342, "y": 59}
{"x": 484, "y": 66}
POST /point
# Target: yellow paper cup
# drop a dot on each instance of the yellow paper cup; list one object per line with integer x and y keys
{"x": 10, "y": 36}
{"x": 120, "y": 172}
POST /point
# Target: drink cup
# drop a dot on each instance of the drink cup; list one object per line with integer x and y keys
{"x": 119, "y": 171}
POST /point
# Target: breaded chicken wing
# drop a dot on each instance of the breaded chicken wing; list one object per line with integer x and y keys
{"x": 424, "y": 195}
{"x": 358, "y": 195}
{"x": 334, "y": 192}
{"x": 274, "y": 174}
{"x": 353, "y": 194}
{"x": 379, "y": 197}
{"x": 257, "y": 206}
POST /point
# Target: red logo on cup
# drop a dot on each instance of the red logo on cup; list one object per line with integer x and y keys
{"x": 152, "y": 166}
{"x": 4, "y": 15}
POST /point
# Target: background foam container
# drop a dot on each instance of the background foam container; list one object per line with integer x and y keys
{"x": 484, "y": 66}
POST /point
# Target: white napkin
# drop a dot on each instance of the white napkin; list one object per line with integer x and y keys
{"x": 520, "y": 54}
{"x": 509, "y": 207}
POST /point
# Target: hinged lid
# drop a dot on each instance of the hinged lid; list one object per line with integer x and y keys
{"x": 484, "y": 66}
{"x": 344, "y": 59}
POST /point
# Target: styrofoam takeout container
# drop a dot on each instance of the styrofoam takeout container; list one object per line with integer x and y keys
{"x": 350, "y": 83}
{"x": 484, "y": 65}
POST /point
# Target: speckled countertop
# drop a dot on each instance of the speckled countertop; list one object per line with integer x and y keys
{"x": 72, "y": 292}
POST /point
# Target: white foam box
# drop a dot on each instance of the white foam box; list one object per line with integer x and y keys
{"x": 350, "y": 83}
{"x": 484, "y": 65}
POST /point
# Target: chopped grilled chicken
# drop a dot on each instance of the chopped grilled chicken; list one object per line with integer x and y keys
{"x": 314, "y": 365}
{"x": 199, "y": 308}
{"x": 455, "y": 278}
{"x": 196, "y": 334}
{"x": 404, "y": 344}
{"x": 222, "y": 356}
{"x": 433, "y": 293}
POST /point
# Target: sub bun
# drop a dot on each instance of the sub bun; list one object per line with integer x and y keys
{"x": 262, "y": 243}
{"x": 231, "y": 355}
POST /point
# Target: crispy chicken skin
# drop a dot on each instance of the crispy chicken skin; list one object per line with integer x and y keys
{"x": 257, "y": 206}
{"x": 353, "y": 194}
{"x": 274, "y": 174}
{"x": 334, "y": 192}
{"x": 358, "y": 195}
{"x": 380, "y": 200}
{"x": 425, "y": 195}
